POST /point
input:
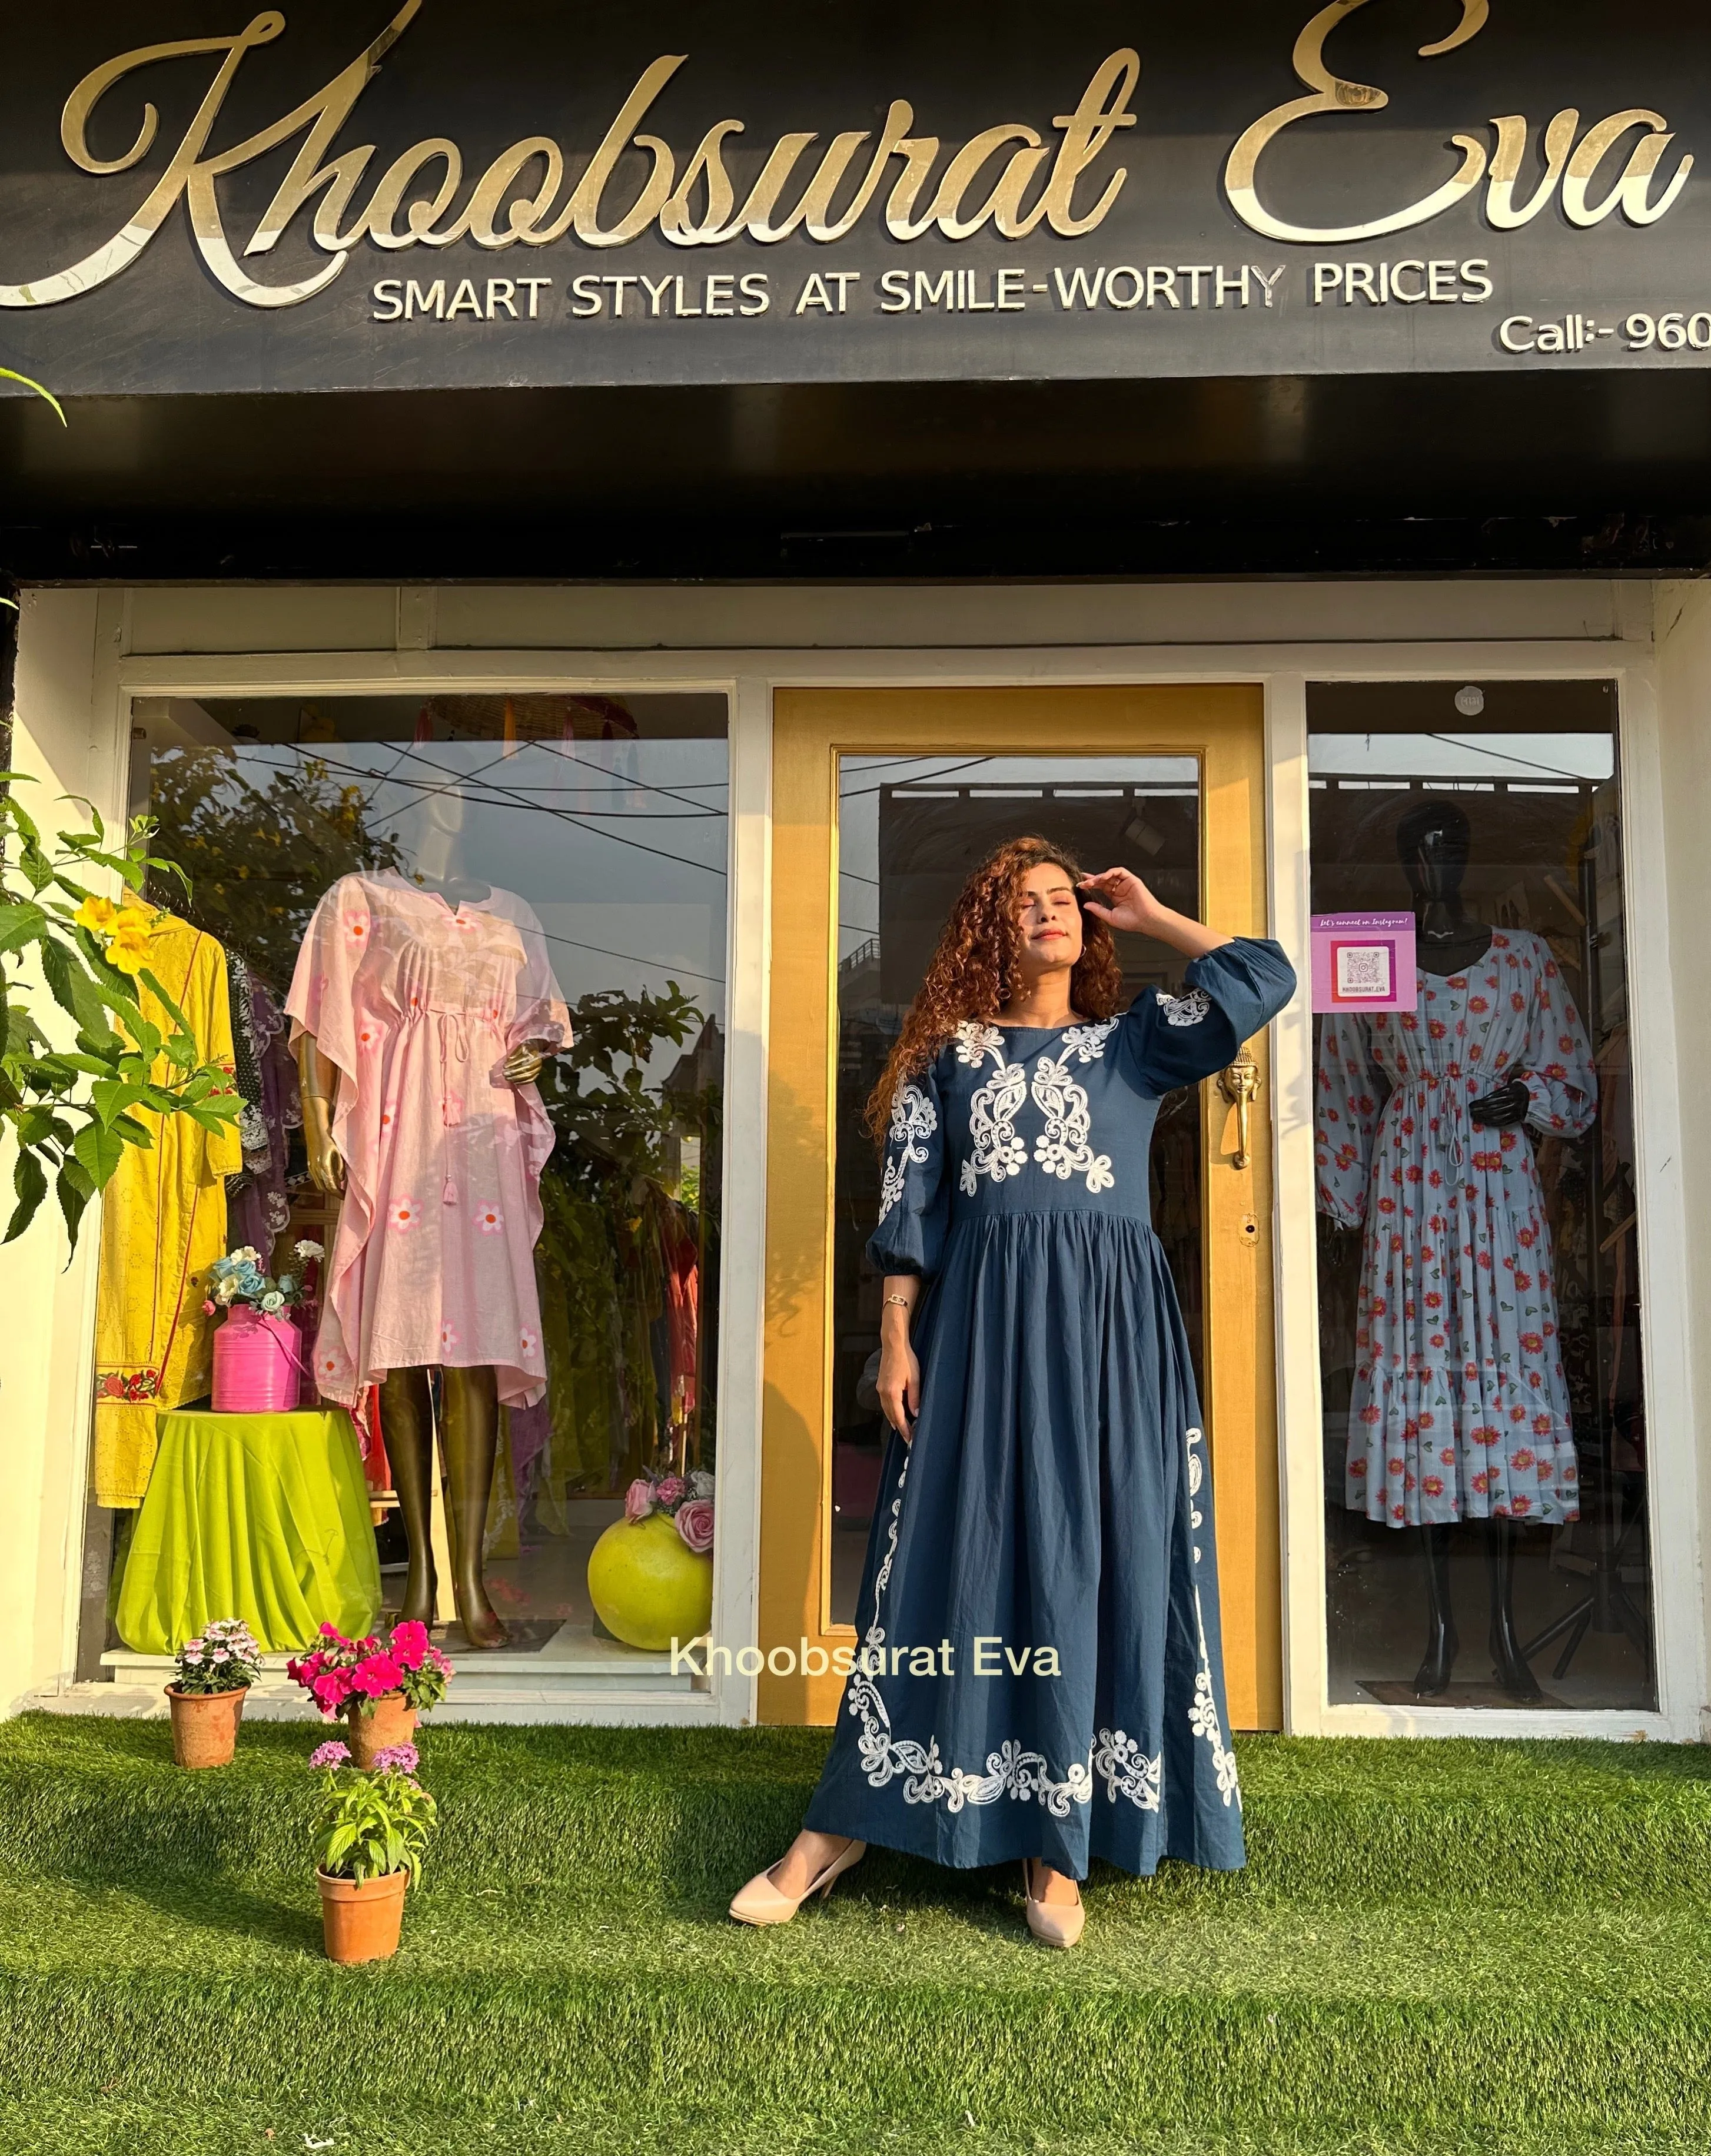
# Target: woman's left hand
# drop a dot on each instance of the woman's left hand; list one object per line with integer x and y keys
{"x": 1118, "y": 897}
{"x": 523, "y": 1066}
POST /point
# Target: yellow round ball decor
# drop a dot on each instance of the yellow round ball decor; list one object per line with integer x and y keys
{"x": 648, "y": 1587}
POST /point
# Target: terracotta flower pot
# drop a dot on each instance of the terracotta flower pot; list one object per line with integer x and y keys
{"x": 391, "y": 1722}
{"x": 361, "y": 1919}
{"x": 205, "y": 1725}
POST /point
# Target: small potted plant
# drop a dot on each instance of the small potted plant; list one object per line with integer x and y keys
{"x": 258, "y": 1354}
{"x": 372, "y": 1843}
{"x": 650, "y": 1575}
{"x": 377, "y": 1689}
{"x": 215, "y": 1670}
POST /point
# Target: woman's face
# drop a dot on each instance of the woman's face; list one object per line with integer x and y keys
{"x": 1048, "y": 923}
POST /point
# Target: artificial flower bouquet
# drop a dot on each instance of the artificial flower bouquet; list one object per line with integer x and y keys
{"x": 347, "y": 1677}
{"x": 686, "y": 1499}
{"x": 370, "y": 1844}
{"x": 237, "y": 1278}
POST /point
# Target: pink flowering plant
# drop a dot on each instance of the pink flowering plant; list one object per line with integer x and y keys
{"x": 374, "y": 1821}
{"x": 346, "y": 1676}
{"x": 223, "y": 1657}
{"x": 688, "y": 1499}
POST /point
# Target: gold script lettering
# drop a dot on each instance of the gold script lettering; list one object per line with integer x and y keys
{"x": 120, "y": 251}
{"x": 1500, "y": 208}
{"x": 1330, "y": 94}
{"x": 1104, "y": 109}
{"x": 1633, "y": 188}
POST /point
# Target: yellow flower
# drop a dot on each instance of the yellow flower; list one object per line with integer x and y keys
{"x": 99, "y": 914}
{"x": 129, "y": 949}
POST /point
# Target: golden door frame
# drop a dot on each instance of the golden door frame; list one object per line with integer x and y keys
{"x": 1223, "y": 727}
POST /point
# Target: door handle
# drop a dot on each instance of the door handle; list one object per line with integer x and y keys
{"x": 1240, "y": 1084}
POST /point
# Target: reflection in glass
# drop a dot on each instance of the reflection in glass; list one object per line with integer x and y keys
{"x": 910, "y": 830}
{"x": 608, "y": 819}
{"x": 1485, "y": 1440}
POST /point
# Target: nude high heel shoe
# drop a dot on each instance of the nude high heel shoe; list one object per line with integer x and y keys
{"x": 760, "y": 1902}
{"x": 1053, "y": 1924}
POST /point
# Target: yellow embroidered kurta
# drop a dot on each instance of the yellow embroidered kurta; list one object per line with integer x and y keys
{"x": 163, "y": 1222}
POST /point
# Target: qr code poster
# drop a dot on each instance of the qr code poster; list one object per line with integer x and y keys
{"x": 1364, "y": 962}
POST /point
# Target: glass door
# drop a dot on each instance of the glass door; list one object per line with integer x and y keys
{"x": 883, "y": 802}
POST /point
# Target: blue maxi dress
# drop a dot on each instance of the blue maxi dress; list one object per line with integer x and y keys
{"x": 1055, "y": 1503}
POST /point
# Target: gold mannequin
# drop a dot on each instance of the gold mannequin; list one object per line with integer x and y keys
{"x": 470, "y": 1399}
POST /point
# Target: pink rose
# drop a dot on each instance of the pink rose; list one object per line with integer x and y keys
{"x": 695, "y": 1524}
{"x": 670, "y": 1489}
{"x": 637, "y": 1500}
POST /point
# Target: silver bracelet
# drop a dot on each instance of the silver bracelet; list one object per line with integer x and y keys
{"x": 903, "y": 1301}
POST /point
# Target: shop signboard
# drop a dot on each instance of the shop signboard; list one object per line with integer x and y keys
{"x": 406, "y": 193}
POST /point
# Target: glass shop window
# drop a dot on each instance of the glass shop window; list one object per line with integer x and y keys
{"x": 910, "y": 831}
{"x": 1485, "y": 1443}
{"x": 444, "y": 896}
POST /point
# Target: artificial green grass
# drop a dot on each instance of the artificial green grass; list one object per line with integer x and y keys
{"x": 1435, "y": 1947}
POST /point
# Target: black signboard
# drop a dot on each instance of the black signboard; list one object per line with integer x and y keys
{"x": 415, "y": 194}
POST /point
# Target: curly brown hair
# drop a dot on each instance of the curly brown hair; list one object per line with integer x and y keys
{"x": 971, "y": 972}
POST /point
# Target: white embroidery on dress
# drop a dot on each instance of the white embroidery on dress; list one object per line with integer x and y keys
{"x": 1185, "y": 1010}
{"x": 1202, "y": 1717}
{"x": 1086, "y": 1042}
{"x": 998, "y": 1151}
{"x": 1011, "y": 1771}
{"x": 1128, "y": 1771}
{"x": 912, "y": 1117}
{"x": 1061, "y": 1148}
{"x": 975, "y": 1043}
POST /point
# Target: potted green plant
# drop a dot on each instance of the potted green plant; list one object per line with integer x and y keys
{"x": 215, "y": 1671}
{"x": 372, "y": 1843}
{"x": 377, "y": 1690}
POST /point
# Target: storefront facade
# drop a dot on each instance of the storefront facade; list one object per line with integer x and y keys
{"x": 880, "y": 705}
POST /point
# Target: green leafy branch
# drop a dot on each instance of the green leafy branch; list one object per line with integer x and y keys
{"x": 71, "y": 1113}
{"x": 11, "y": 374}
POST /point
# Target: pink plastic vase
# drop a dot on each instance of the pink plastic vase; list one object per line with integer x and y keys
{"x": 258, "y": 1364}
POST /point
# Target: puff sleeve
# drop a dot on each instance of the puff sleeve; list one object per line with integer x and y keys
{"x": 1561, "y": 1080}
{"x": 1230, "y": 995}
{"x": 1348, "y": 1103}
{"x": 914, "y": 1194}
{"x": 322, "y": 999}
{"x": 541, "y": 1014}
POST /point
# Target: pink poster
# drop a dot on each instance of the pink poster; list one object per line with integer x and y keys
{"x": 1364, "y": 962}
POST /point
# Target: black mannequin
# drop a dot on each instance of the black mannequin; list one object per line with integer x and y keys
{"x": 1433, "y": 842}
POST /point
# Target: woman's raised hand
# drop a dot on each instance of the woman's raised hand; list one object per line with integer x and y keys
{"x": 1118, "y": 897}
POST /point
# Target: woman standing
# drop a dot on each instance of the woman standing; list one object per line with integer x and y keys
{"x": 1039, "y": 1676}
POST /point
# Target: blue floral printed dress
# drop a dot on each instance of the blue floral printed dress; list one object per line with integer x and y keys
{"x": 1038, "y": 1670}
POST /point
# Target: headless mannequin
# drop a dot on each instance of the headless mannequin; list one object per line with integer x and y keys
{"x": 1433, "y": 842}
{"x": 470, "y": 1398}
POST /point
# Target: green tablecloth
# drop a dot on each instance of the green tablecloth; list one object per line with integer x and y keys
{"x": 261, "y": 1517}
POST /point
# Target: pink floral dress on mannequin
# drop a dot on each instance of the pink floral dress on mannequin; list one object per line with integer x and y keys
{"x": 417, "y": 1003}
{"x": 1460, "y": 1407}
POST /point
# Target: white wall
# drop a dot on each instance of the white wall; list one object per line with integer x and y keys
{"x": 1683, "y": 639}
{"x": 65, "y": 740}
